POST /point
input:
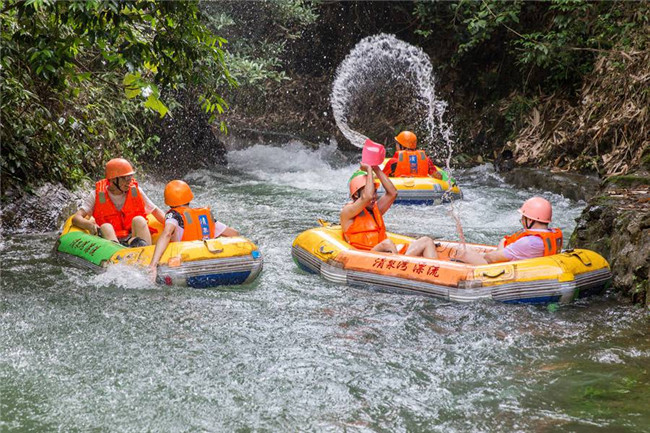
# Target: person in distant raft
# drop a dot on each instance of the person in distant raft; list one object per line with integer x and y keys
{"x": 535, "y": 240}
{"x": 184, "y": 223}
{"x": 362, "y": 221}
{"x": 119, "y": 207}
{"x": 409, "y": 162}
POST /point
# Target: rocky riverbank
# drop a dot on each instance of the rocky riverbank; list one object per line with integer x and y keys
{"x": 616, "y": 224}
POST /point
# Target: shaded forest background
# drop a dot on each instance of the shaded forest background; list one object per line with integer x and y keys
{"x": 558, "y": 84}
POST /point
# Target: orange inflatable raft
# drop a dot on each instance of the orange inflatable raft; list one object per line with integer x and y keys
{"x": 559, "y": 278}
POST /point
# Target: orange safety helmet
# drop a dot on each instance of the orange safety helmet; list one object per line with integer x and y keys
{"x": 358, "y": 181}
{"x": 118, "y": 167}
{"x": 407, "y": 139}
{"x": 537, "y": 209}
{"x": 177, "y": 193}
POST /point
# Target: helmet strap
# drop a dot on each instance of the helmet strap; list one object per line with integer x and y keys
{"x": 528, "y": 223}
{"x": 116, "y": 183}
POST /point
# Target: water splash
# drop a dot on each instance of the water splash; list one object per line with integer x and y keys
{"x": 379, "y": 62}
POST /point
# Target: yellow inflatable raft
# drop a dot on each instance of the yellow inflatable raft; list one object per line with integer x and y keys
{"x": 559, "y": 278}
{"x": 200, "y": 264}
{"x": 425, "y": 190}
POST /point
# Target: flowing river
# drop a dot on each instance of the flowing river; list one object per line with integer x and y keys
{"x": 292, "y": 352}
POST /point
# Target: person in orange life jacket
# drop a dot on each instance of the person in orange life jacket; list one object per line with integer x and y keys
{"x": 119, "y": 207}
{"x": 409, "y": 162}
{"x": 535, "y": 240}
{"x": 183, "y": 223}
{"x": 362, "y": 222}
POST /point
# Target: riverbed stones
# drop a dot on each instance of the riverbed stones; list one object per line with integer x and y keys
{"x": 571, "y": 185}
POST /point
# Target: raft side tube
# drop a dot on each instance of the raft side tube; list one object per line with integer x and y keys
{"x": 558, "y": 278}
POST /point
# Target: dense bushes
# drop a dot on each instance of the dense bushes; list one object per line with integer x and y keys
{"x": 564, "y": 80}
{"x": 80, "y": 80}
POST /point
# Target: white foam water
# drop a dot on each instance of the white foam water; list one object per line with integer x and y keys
{"x": 294, "y": 164}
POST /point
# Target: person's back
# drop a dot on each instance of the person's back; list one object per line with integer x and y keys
{"x": 185, "y": 223}
{"x": 408, "y": 161}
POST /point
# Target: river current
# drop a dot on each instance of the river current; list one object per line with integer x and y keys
{"x": 293, "y": 352}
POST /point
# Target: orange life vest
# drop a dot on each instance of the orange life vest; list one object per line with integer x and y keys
{"x": 411, "y": 163}
{"x": 552, "y": 239}
{"x": 106, "y": 212}
{"x": 366, "y": 230}
{"x": 198, "y": 223}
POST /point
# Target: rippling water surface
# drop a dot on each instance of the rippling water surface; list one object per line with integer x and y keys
{"x": 292, "y": 352}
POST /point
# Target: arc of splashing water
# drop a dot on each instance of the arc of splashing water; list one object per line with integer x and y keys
{"x": 380, "y": 57}
{"x": 362, "y": 62}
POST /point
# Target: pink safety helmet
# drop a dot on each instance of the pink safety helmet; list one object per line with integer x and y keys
{"x": 538, "y": 209}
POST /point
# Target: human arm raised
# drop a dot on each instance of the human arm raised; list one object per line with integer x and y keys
{"x": 353, "y": 209}
{"x": 384, "y": 203}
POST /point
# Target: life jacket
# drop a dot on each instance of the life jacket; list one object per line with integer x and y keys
{"x": 411, "y": 163}
{"x": 198, "y": 223}
{"x": 106, "y": 212}
{"x": 366, "y": 230}
{"x": 552, "y": 239}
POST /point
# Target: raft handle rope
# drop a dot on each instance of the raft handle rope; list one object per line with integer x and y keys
{"x": 212, "y": 250}
{"x": 487, "y": 274}
{"x": 324, "y": 223}
{"x": 322, "y": 250}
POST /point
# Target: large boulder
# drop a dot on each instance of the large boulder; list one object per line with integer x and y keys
{"x": 616, "y": 224}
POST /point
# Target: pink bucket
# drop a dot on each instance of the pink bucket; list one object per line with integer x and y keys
{"x": 373, "y": 153}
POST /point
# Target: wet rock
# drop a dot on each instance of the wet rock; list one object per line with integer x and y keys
{"x": 571, "y": 185}
{"x": 616, "y": 224}
{"x": 44, "y": 210}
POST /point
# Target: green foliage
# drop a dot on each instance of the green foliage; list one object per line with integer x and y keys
{"x": 81, "y": 79}
{"x": 259, "y": 32}
{"x": 556, "y": 40}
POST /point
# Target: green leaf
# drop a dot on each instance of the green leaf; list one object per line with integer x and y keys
{"x": 156, "y": 105}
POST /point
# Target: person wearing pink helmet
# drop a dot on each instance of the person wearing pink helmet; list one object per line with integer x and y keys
{"x": 362, "y": 219}
{"x": 535, "y": 240}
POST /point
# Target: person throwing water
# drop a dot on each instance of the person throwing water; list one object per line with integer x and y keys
{"x": 362, "y": 222}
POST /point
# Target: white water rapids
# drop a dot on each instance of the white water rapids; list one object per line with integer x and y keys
{"x": 292, "y": 352}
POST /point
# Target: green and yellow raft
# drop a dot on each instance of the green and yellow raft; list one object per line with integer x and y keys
{"x": 199, "y": 264}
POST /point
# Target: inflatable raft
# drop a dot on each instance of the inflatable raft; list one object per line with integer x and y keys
{"x": 559, "y": 278}
{"x": 199, "y": 264}
{"x": 425, "y": 190}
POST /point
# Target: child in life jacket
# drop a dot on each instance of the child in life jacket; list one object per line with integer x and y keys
{"x": 119, "y": 207}
{"x": 535, "y": 240}
{"x": 409, "y": 162}
{"x": 184, "y": 223}
{"x": 362, "y": 221}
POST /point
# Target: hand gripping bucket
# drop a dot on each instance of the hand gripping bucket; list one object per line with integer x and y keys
{"x": 373, "y": 153}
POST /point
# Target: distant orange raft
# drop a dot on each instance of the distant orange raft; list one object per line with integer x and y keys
{"x": 559, "y": 278}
